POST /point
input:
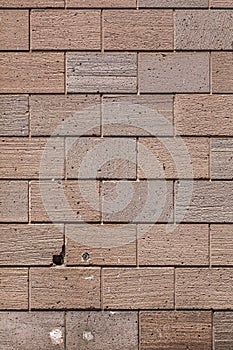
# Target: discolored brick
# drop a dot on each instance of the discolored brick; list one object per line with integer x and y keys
{"x": 223, "y": 327}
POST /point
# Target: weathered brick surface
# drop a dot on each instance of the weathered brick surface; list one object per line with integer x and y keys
{"x": 173, "y": 245}
{"x": 106, "y": 72}
{"x": 222, "y": 72}
{"x": 204, "y": 30}
{"x": 65, "y": 30}
{"x": 203, "y": 115}
{"x": 101, "y": 3}
{"x": 221, "y": 3}
{"x": 145, "y": 30}
{"x": 32, "y": 72}
{"x": 31, "y": 3}
{"x": 174, "y": 72}
{"x": 102, "y": 330}
{"x": 144, "y": 288}
{"x": 204, "y": 288}
{"x": 221, "y": 158}
{"x": 174, "y": 3}
{"x": 210, "y": 201}
{"x": 101, "y": 245}
{"x": 30, "y": 244}
{"x": 29, "y": 330}
{"x": 14, "y": 33}
{"x": 168, "y": 330}
{"x": 13, "y": 289}
{"x": 171, "y": 156}
{"x": 65, "y": 288}
{"x": 13, "y": 201}
{"x": 14, "y": 115}
{"x": 221, "y": 246}
{"x": 223, "y": 327}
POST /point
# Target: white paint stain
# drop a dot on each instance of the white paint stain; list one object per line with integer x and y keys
{"x": 88, "y": 336}
{"x": 112, "y": 312}
{"x": 89, "y": 278}
{"x": 56, "y": 336}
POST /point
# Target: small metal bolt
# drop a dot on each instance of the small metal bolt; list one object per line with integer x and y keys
{"x": 85, "y": 256}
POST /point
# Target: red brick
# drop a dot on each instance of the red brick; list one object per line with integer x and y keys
{"x": 222, "y": 72}
{"x": 221, "y": 158}
{"x": 144, "y": 288}
{"x": 223, "y": 328}
{"x": 32, "y": 3}
{"x": 32, "y": 72}
{"x": 101, "y": 3}
{"x": 221, "y": 3}
{"x": 146, "y": 30}
{"x": 65, "y": 30}
{"x": 221, "y": 247}
{"x": 65, "y": 288}
{"x": 14, "y": 33}
{"x": 174, "y": 3}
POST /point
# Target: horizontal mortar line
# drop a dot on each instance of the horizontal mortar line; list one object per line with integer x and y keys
{"x": 107, "y": 266}
{"x": 38, "y": 136}
{"x": 109, "y": 179}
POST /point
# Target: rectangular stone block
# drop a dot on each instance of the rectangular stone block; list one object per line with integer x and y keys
{"x": 137, "y": 115}
{"x": 223, "y": 328}
{"x": 65, "y": 30}
{"x": 165, "y": 158}
{"x": 138, "y": 201}
{"x": 32, "y": 72}
{"x": 39, "y": 330}
{"x": 102, "y": 330}
{"x": 65, "y": 288}
{"x": 30, "y": 244}
{"x": 175, "y": 3}
{"x": 14, "y": 34}
{"x": 221, "y": 3}
{"x": 222, "y": 72}
{"x": 31, "y": 3}
{"x": 13, "y": 201}
{"x": 204, "y": 288}
{"x": 22, "y": 158}
{"x": 63, "y": 201}
{"x": 169, "y": 330}
{"x": 221, "y": 246}
{"x": 144, "y": 288}
{"x": 65, "y": 115}
{"x": 173, "y": 245}
{"x": 101, "y": 245}
{"x": 102, "y": 72}
{"x": 221, "y": 158}
{"x": 173, "y": 72}
{"x": 101, "y": 3}
{"x": 13, "y": 289}
{"x": 98, "y": 158}
{"x": 146, "y": 30}
{"x": 203, "y": 115}
{"x": 206, "y": 202}
{"x": 204, "y": 30}
{"x": 14, "y": 115}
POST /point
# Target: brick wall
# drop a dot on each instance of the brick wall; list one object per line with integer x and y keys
{"x": 116, "y": 161}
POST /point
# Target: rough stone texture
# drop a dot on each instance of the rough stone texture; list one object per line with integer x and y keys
{"x": 141, "y": 201}
{"x": 32, "y": 72}
{"x": 221, "y": 3}
{"x": 102, "y": 330}
{"x": 114, "y": 158}
{"x": 65, "y": 30}
{"x": 67, "y": 115}
{"x": 204, "y": 30}
{"x": 203, "y": 288}
{"x": 145, "y": 30}
{"x": 214, "y": 111}
{"x": 137, "y": 115}
{"x": 221, "y": 158}
{"x": 13, "y": 289}
{"x": 210, "y": 201}
{"x": 169, "y": 330}
{"x": 14, "y": 30}
{"x": 108, "y": 72}
{"x": 13, "y": 201}
{"x": 20, "y": 158}
{"x": 27, "y": 330}
{"x": 65, "y": 201}
{"x": 173, "y": 245}
{"x": 30, "y": 244}
{"x": 171, "y": 154}
{"x": 101, "y": 3}
{"x": 65, "y": 288}
{"x": 221, "y": 245}
{"x": 174, "y": 3}
{"x": 31, "y": 3}
{"x": 223, "y": 328}
{"x": 14, "y": 115}
{"x": 144, "y": 288}
{"x": 222, "y": 71}
{"x": 100, "y": 245}
{"x": 173, "y": 72}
